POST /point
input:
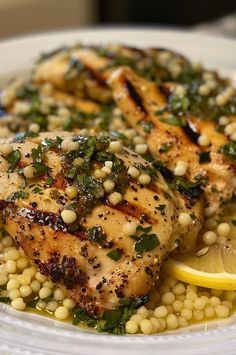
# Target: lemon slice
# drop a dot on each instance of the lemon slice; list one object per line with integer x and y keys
{"x": 208, "y": 266}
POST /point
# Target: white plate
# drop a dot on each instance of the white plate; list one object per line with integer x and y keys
{"x": 24, "y": 333}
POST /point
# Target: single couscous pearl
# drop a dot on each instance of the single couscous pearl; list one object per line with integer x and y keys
{"x": 198, "y": 315}
{"x": 114, "y": 198}
{"x": 115, "y": 147}
{"x": 72, "y": 146}
{"x": 168, "y": 298}
{"x": 146, "y": 326}
{"x": 223, "y": 121}
{"x": 181, "y": 168}
{"x": 137, "y": 318}
{"x": 203, "y": 140}
{"x": 178, "y": 289}
{"x": 223, "y": 229}
{"x": 204, "y": 90}
{"x": 35, "y": 286}
{"x": 59, "y": 295}
{"x": 18, "y": 304}
{"x": 129, "y": 228}
{"x": 41, "y": 305}
{"x": 171, "y": 321}
{"x": 230, "y": 295}
{"x": 177, "y": 306}
{"x": 3, "y": 279}
{"x": 209, "y": 238}
{"x": 144, "y": 179}
{"x": 133, "y": 172}
{"x": 61, "y": 313}
{"x": 222, "y": 311}
{"x": 100, "y": 174}
{"x": 78, "y": 161}
{"x": 64, "y": 144}
{"x": 11, "y": 266}
{"x": 24, "y": 279}
{"x": 141, "y": 148}
{"x": 209, "y": 311}
{"x": 108, "y": 185}
{"x": 144, "y": 311}
{"x": 25, "y": 291}
{"x": 68, "y": 216}
{"x": 14, "y": 294}
{"x": 52, "y": 306}
{"x": 199, "y": 303}
{"x": 185, "y": 219}
{"x": 13, "y": 284}
{"x": 71, "y": 192}
{"x": 29, "y": 172}
{"x": 186, "y": 313}
{"x": 130, "y": 133}
{"x": 7, "y": 241}
{"x": 214, "y": 301}
{"x": 34, "y": 127}
{"x": 69, "y": 303}
{"x": 45, "y": 292}
{"x": 40, "y": 277}
{"x": 22, "y": 263}
{"x": 48, "y": 284}
{"x": 12, "y": 254}
{"x": 138, "y": 140}
{"x": 160, "y": 312}
{"x": 6, "y": 149}
{"x": 109, "y": 164}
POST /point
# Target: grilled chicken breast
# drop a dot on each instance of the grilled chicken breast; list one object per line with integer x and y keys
{"x": 172, "y": 139}
{"x": 89, "y": 254}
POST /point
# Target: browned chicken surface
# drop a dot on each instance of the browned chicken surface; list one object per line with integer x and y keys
{"x": 88, "y": 253}
{"x": 174, "y": 139}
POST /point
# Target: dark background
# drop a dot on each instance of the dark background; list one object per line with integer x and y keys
{"x": 165, "y": 12}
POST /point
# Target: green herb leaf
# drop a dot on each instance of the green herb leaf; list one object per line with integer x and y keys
{"x": 204, "y": 157}
{"x": 79, "y": 315}
{"x": 49, "y": 181}
{"x": 146, "y": 243}
{"x": 40, "y": 168}
{"x": 115, "y": 254}
{"x": 165, "y": 147}
{"x": 160, "y": 208}
{"x": 96, "y": 235}
{"x": 229, "y": 150}
{"x": 13, "y": 158}
{"x": 144, "y": 229}
{"x": 173, "y": 120}
{"x": 147, "y": 125}
{"x": 5, "y": 299}
{"x": 18, "y": 195}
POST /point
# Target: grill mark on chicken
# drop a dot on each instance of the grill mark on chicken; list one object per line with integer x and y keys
{"x": 134, "y": 211}
{"x": 135, "y": 96}
{"x": 191, "y": 131}
{"x": 43, "y": 218}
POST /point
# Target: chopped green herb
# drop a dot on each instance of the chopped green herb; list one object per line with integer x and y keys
{"x": 115, "y": 254}
{"x": 114, "y": 321}
{"x": 40, "y": 168}
{"x": 18, "y": 195}
{"x": 13, "y": 158}
{"x": 21, "y": 137}
{"x": 5, "y": 299}
{"x": 49, "y": 181}
{"x": 79, "y": 316}
{"x": 96, "y": 235}
{"x": 75, "y": 68}
{"x": 178, "y": 104}
{"x": 146, "y": 242}
{"x": 37, "y": 190}
{"x": 144, "y": 229}
{"x": 173, "y": 120}
{"x": 165, "y": 147}
{"x": 204, "y": 157}
{"x": 229, "y": 150}
{"x": 147, "y": 125}
{"x": 160, "y": 208}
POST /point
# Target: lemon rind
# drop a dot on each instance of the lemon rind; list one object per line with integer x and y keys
{"x": 182, "y": 272}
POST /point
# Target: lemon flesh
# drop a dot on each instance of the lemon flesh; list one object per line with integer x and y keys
{"x": 208, "y": 266}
